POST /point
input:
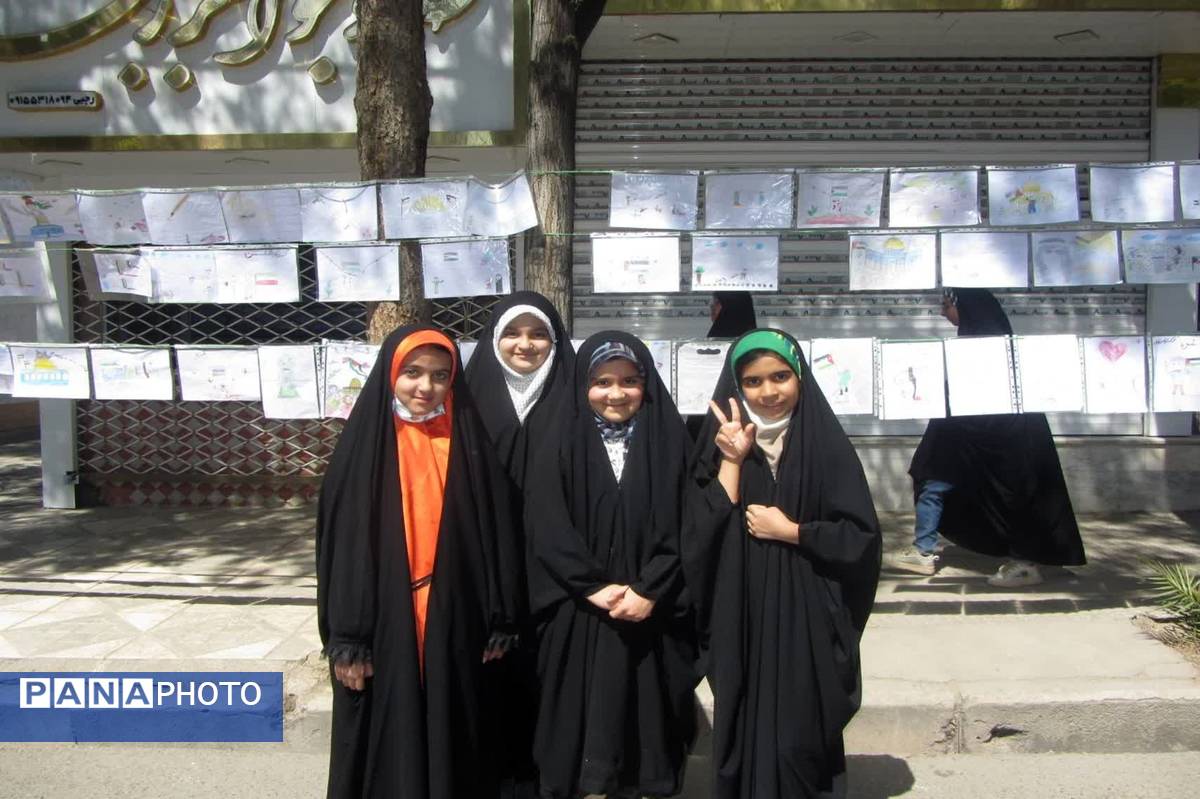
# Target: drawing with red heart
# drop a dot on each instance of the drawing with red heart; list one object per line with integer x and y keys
{"x": 1112, "y": 350}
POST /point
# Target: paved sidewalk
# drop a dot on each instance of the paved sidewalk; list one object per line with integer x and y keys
{"x": 950, "y": 663}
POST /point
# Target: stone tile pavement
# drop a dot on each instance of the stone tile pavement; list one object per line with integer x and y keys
{"x": 125, "y": 584}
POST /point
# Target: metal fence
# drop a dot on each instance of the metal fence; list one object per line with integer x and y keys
{"x": 217, "y": 453}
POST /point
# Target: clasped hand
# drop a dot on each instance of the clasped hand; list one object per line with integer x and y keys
{"x": 622, "y": 603}
{"x": 771, "y": 523}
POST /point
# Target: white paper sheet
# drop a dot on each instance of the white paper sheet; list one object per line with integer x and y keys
{"x": 985, "y": 260}
{"x": 845, "y": 370}
{"x": 1049, "y": 373}
{"x": 429, "y": 209}
{"x": 262, "y": 215}
{"x": 339, "y": 213}
{"x": 1189, "y": 190}
{"x": 116, "y": 275}
{"x": 184, "y": 217}
{"x": 748, "y": 200}
{"x": 288, "y": 380}
{"x": 41, "y": 217}
{"x": 653, "y": 201}
{"x": 913, "y": 380}
{"x": 728, "y": 263}
{"x": 1034, "y": 196}
{"x": 50, "y": 371}
{"x": 218, "y": 374}
{"x": 358, "y": 274}
{"x": 25, "y": 275}
{"x": 889, "y": 261}
{"x": 806, "y": 349}
{"x": 131, "y": 373}
{"x": 113, "y": 217}
{"x": 933, "y": 198}
{"x": 257, "y": 275}
{"x": 978, "y": 375}
{"x": 347, "y": 365}
{"x": 660, "y": 351}
{"x": 634, "y": 264}
{"x": 502, "y": 209}
{"x": 466, "y": 268}
{"x": 1176, "y": 362}
{"x": 839, "y": 199}
{"x": 6, "y": 370}
{"x": 182, "y": 276}
{"x": 465, "y": 350}
{"x": 698, "y": 366}
{"x": 1076, "y": 258}
{"x": 1128, "y": 194}
{"x": 1115, "y": 373}
{"x": 1161, "y": 256}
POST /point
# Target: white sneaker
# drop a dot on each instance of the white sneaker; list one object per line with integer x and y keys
{"x": 1016, "y": 574}
{"x": 916, "y": 561}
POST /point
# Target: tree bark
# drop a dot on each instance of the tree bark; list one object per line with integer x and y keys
{"x": 392, "y": 102}
{"x": 560, "y": 28}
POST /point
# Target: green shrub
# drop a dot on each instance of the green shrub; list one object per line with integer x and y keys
{"x": 1177, "y": 591}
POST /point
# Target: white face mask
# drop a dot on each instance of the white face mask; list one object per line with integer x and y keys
{"x": 404, "y": 413}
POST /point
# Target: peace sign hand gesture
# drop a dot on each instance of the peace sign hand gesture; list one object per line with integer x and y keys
{"x": 733, "y": 439}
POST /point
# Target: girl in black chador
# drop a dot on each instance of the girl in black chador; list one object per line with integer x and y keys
{"x": 781, "y": 553}
{"x": 992, "y": 484}
{"x": 417, "y": 581}
{"x": 521, "y": 374}
{"x": 615, "y": 645}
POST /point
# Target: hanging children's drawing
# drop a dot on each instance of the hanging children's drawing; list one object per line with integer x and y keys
{"x": 839, "y": 199}
{"x": 653, "y": 201}
{"x": 912, "y": 380}
{"x": 747, "y": 200}
{"x": 468, "y": 268}
{"x": 888, "y": 261}
{"x": 1075, "y": 258}
{"x": 1114, "y": 370}
{"x": 635, "y": 263}
{"x": 288, "y": 381}
{"x": 735, "y": 263}
{"x": 1047, "y": 195}
{"x": 845, "y": 371}
{"x": 113, "y": 217}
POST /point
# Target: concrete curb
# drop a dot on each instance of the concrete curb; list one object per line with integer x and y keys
{"x": 949, "y": 722}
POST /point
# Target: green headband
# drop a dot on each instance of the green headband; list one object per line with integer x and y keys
{"x": 769, "y": 340}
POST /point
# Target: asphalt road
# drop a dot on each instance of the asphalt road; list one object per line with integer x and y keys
{"x": 264, "y": 771}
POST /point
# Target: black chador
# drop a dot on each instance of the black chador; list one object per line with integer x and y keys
{"x": 616, "y": 708}
{"x": 418, "y": 729}
{"x": 1010, "y": 498}
{"x": 518, "y": 411}
{"x": 779, "y": 621}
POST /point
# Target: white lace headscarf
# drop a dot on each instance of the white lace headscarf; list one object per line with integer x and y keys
{"x": 524, "y": 390}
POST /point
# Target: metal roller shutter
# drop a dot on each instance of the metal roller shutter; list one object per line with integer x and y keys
{"x": 741, "y": 114}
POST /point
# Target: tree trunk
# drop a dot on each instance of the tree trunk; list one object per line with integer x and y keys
{"x": 553, "y": 78}
{"x": 392, "y": 102}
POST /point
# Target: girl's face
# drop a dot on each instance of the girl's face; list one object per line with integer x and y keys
{"x": 424, "y": 379}
{"x": 950, "y": 311}
{"x": 615, "y": 390}
{"x": 770, "y": 387}
{"x": 525, "y": 344}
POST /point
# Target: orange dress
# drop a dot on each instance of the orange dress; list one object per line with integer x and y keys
{"x": 423, "y": 451}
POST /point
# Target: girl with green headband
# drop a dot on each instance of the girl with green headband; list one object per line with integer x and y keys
{"x": 781, "y": 553}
